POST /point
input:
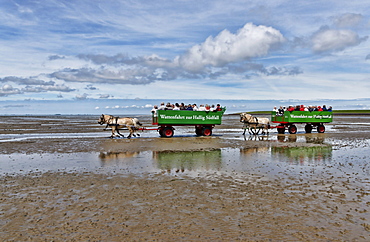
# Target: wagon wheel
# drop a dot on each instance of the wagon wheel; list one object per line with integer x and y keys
{"x": 281, "y": 130}
{"x": 198, "y": 131}
{"x": 308, "y": 128}
{"x": 320, "y": 128}
{"x": 292, "y": 129}
{"x": 206, "y": 131}
{"x": 166, "y": 132}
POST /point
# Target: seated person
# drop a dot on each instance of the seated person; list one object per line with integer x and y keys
{"x": 162, "y": 106}
{"x": 189, "y": 107}
{"x": 202, "y": 108}
{"x": 290, "y": 108}
{"x": 182, "y": 106}
{"x": 280, "y": 111}
{"x": 329, "y": 108}
{"x": 324, "y": 108}
{"x": 168, "y": 107}
{"x": 275, "y": 110}
{"x": 177, "y": 106}
{"x": 213, "y": 108}
{"x": 218, "y": 108}
{"x": 195, "y": 107}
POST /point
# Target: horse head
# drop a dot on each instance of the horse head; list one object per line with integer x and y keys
{"x": 136, "y": 122}
{"x": 102, "y": 120}
{"x": 246, "y": 118}
{"x": 242, "y": 117}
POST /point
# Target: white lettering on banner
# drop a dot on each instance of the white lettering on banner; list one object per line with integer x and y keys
{"x": 172, "y": 117}
{"x": 213, "y": 117}
{"x": 195, "y": 117}
{"x": 198, "y": 117}
{"x": 309, "y": 116}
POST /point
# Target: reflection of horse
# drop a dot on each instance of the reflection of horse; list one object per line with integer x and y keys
{"x": 254, "y": 124}
{"x": 116, "y": 123}
{"x": 106, "y": 156}
{"x": 256, "y": 137}
{"x": 255, "y": 150}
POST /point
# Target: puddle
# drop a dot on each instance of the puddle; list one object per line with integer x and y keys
{"x": 269, "y": 161}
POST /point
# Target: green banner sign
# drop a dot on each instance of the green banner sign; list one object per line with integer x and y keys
{"x": 184, "y": 117}
{"x": 302, "y": 117}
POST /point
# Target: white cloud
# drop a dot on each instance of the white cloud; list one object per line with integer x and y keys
{"x": 250, "y": 41}
{"x": 348, "y": 20}
{"x": 327, "y": 40}
{"x": 103, "y": 96}
{"x": 9, "y": 90}
{"x": 81, "y": 97}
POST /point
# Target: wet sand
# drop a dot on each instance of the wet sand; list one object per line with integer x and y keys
{"x": 273, "y": 200}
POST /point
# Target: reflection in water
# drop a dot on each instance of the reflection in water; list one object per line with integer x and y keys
{"x": 308, "y": 138}
{"x": 254, "y": 150}
{"x": 302, "y": 155}
{"x": 219, "y": 160}
{"x": 257, "y": 137}
{"x": 107, "y": 158}
{"x": 289, "y": 138}
{"x": 185, "y": 160}
{"x": 316, "y": 139}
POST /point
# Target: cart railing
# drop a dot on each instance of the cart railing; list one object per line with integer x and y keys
{"x": 185, "y": 117}
{"x": 302, "y": 117}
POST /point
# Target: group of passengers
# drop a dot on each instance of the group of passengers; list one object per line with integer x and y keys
{"x": 291, "y": 108}
{"x": 190, "y": 107}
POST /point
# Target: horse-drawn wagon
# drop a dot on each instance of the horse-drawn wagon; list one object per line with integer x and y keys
{"x": 203, "y": 121}
{"x": 314, "y": 119}
{"x": 287, "y": 121}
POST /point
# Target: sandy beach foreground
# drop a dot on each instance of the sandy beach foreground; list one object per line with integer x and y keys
{"x": 304, "y": 187}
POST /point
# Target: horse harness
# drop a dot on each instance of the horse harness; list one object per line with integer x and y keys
{"x": 255, "y": 119}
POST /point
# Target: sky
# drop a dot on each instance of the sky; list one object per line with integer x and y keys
{"x": 210, "y": 49}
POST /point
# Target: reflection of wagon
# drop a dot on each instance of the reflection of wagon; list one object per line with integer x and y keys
{"x": 203, "y": 121}
{"x": 311, "y": 119}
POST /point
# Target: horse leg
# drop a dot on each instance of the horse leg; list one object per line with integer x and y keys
{"x": 113, "y": 131}
{"x": 253, "y": 130}
{"x": 131, "y": 132}
{"x": 120, "y": 133}
{"x": 258, "y": 130}
{"x": 245, "y": 128}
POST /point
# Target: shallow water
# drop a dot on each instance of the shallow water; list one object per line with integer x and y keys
{"x": 263, "y": 160}
{"x": 63, "y": 179}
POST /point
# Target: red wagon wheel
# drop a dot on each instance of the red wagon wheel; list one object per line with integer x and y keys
{"x": 166, "y": 132}
{"x": 321, "y": 128}
{"x": 207, "y": 131}
{"x": 292, "y": 129}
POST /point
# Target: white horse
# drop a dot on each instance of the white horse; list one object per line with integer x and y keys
{"x": 116, "y": 123}
{"x": 254, "y": 124}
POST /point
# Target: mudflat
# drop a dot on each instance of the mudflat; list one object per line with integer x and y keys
{"x": 303, "y": 187}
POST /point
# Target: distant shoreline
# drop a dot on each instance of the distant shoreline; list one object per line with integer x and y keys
{"x": 335, "y": 112}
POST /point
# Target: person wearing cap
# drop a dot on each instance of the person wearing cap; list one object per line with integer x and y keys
{"x": 162, "y": 106}
{"x": 218, "y": 108}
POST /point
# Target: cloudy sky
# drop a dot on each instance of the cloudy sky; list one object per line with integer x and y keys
{"x": 112, "y": 49}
